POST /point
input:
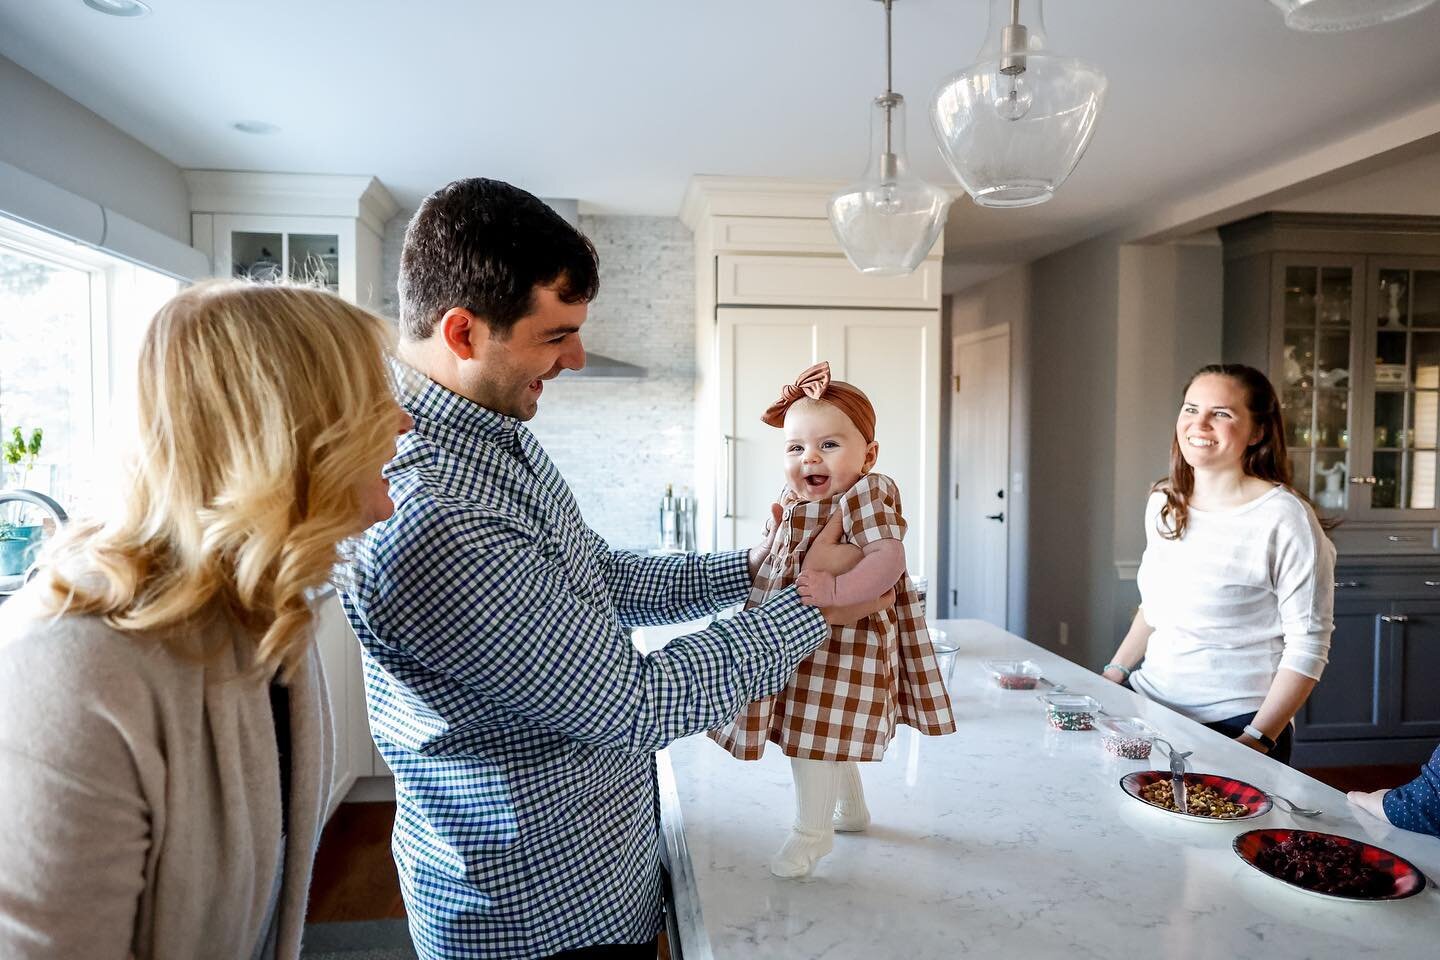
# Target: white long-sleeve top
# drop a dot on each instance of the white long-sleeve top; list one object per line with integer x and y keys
{"x": 1243, "y": 593}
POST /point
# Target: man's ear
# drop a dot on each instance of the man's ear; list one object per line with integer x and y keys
{"x": 463, "y": 333}
{"x": 871, "y": 453}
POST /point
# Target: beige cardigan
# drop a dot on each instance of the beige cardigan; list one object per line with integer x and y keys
{"x": 140, "y": 797}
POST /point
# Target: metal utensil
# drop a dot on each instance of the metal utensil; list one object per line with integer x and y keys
{"x": 1292, "y": 807}
{"x": 1177, "y": 775}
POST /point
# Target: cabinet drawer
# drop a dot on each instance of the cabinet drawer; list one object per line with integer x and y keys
{"x": 1390, "y": 585}
{"x": 821, "y": 282}
{"x": 1389, "y": 541}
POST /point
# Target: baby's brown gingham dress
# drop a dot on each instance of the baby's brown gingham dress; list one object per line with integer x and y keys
{"x": 845, "y": 699}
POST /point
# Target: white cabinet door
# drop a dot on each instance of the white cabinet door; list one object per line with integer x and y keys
{"x": 890, "y": 354}
{"x": 340, "y": 656}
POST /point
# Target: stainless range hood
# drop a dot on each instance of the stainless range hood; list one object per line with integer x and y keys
{"x": 598, "y": 366}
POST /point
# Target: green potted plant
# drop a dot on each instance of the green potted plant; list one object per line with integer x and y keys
{"x": 20, "y": 454}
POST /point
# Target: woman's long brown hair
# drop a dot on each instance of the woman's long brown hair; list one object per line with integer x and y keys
{"x": 1266, "y": 458}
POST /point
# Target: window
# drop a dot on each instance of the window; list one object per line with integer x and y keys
{"x": 71, "y": 322}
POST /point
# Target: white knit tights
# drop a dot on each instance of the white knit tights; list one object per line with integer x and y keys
{"x": 816, "y": 785}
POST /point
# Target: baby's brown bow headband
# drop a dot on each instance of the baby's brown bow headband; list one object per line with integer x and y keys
{"x": 814, "y": 383}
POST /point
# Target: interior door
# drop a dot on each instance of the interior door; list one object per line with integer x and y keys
{"x": 890, "y": 354}
{"x": 980, "y": 456}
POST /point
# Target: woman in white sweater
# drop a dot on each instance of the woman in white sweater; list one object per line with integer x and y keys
{"x": 1238, "y": 578}
{"x": 165, "y": 753}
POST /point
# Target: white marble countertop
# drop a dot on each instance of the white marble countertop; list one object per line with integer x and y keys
{"x": 1010, "y": 839}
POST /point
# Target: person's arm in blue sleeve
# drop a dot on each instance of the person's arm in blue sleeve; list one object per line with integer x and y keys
{"x": 1415, "y": 806}
{"x": 468, "y": 594}
{"x": 653, "y": 590}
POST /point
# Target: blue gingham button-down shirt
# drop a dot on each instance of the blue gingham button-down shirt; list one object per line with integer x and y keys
{"x": 506, "y": 695}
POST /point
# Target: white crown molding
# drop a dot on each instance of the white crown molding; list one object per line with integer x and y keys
{"x": 714, "y": 196}
{"x": 291, "y": 194}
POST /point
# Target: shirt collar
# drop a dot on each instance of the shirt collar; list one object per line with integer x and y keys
{"x": 427, "y": 400}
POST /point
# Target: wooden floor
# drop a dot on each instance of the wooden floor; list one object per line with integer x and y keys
{"x": 355, "y": 877}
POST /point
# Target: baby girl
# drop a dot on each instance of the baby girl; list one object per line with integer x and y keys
{"x": 844, "y": 702}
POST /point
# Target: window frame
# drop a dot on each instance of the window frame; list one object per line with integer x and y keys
{"x": 96, "y": 410}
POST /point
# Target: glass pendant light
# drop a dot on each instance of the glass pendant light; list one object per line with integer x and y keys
{"x": 1014, "y": 125}
{"x": 1331, "y": 15}
{"x": 888, "y": 222}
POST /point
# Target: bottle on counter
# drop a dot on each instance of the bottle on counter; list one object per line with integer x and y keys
{"x": 669, "y": 527}
{"x": 685, "y": 508}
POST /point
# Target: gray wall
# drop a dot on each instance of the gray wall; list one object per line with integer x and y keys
{"x": 1115, "y": 331}
{"x": 619, "y": 442}
{"x": 1071, "y": 431}
{"x": 45, "y": 133}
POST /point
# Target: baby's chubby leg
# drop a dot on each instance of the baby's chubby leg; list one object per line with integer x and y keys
{"x": 816, "y": 784}
{"x": 851, "y": 813}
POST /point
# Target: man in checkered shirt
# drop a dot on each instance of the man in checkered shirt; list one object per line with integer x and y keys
{"x": 501, "y": 682}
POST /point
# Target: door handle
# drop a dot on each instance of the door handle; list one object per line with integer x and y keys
{"x": 1393, "y": 538}
{"x": 1432, "y": 583}
{"x": 1395, "y": 618}
{"x": 999, "y": 517}
{"x": 1368, "y": 480}
{"x": 729, "y": 477}
{"x": 1345, "y": 584}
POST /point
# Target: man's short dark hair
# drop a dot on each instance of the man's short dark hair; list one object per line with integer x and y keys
{"x": 485, "y": 245}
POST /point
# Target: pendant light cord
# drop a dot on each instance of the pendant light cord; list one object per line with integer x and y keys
{"x": 889, "y": 81}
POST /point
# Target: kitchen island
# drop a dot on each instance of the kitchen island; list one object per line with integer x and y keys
{"x": 1012, "y": 839}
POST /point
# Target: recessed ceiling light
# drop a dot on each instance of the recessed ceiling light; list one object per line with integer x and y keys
{"x": 257, "y": 127}
{"x": 119, "y": 8}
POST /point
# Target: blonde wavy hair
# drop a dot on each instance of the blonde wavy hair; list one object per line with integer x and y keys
{"x": 262, "y": 410}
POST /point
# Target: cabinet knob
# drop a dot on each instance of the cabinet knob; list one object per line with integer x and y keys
{"x": 1395, "y": 617}
{"x": 1349, "y": 584}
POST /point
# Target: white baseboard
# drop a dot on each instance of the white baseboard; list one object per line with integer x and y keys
{"x": 372, "y": 790}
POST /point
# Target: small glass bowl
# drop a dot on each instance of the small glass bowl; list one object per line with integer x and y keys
{"x": 1070, "y": 711}
{"x": 1014, "y": 674}
{"x": 945, "y": 650}
{"x": 1128, "y": 738}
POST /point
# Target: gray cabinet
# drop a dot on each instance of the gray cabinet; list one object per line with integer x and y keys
{"x": 1343, "y": 313}
{"x": 1346, "y": 704}
{"x": 1376, "y": 701}
{"x": 1414, "y": 666}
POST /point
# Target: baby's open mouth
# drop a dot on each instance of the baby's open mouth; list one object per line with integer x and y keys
{"x": 816, "y": 480}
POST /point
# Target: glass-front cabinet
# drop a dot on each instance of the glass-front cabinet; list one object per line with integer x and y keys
{"x": 1344, "y": 314}
{"x": 324, "y": 231}
{"x": 1319, "y": 302}
{"x": 1404, "y": 323}
{"x": 1345, "y": 317}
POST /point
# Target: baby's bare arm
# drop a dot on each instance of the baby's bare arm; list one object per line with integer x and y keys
{"x": 882, "y": 566}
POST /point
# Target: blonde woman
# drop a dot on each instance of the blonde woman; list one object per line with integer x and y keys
{"x": 165, "y": 748}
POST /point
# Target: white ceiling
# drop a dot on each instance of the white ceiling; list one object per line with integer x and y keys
{"x": 619, "y": 103}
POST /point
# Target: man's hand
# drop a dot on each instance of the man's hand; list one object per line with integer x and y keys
{"x": 1372, "y": 803}
{"x": 760, "y": 551}
{"x": 827, "y": 555}
{"x": 816, "y": 589}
